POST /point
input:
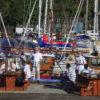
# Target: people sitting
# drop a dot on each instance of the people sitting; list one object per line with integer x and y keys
{"x": 71, "y": 67}
{"x": 2, "y": 77}
{"x": 87, "y": 70}
{"x": 2, "y": 68}
{"x": 27, "y": 71}
{"x": 20, "y": 78}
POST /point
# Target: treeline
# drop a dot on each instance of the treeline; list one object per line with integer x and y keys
{"x": 16, "y": 12}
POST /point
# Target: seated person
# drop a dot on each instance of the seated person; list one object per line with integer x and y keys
{"x": 71, "y": 67}
{"x": 2, "y": 76}
{"x": 27, "y": 71}
{"x": 69, "y": 80}
{"x": 87, "y": 69}
{"x": 71, "y": 73}
{"x": 2, "y": 67}
{"x": 20, "y": 78}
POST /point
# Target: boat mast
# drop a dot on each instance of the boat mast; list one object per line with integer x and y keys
{"x": 51, "y": 21}
{"x": 95, "y": 16}
{"x": 95, "y": 30}
{"x": 51, "y": 17}
{"x": 45, "y": 20}
{"x": 74, "y": 22}
{"x": 86, "y": 17}
{"x": 39, "y": 21}
{"x": 5, "y": 30}
{"x": 28, "y": 22}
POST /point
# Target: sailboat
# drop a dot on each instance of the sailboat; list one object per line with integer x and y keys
{"x": 88, "y": 40}
{"x": 94, "y": 36}
{"x": 47, "y": 40}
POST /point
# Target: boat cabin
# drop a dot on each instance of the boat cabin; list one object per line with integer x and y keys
{"x": 94, "y": 62}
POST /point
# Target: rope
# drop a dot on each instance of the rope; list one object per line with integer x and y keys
{"x": 65, "y": 15}
{"x": 28, "y": 23}
{"x": 79, "y": 13}
{"x": 86, "y": 17}
{"x": 81, "y": 1}
{"x": 26, "y": 11}
{"x": 5, "y": 30}
{"x": 45, "y": 20}
{"x": 39, "y": 22}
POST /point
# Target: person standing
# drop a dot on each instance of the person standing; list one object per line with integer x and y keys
{"x": 80, "y": 62}
{"x": 37, "y": 60}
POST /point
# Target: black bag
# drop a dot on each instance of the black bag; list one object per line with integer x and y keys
{"x": 19, "y": 81}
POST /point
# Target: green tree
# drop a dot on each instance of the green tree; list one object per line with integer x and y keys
{"x": 16, "y": 12}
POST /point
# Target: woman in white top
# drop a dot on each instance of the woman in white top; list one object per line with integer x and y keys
{"x": 37, "y": 60}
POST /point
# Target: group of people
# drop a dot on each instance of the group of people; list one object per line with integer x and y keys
{"x": 75, "y": 65}
{"x": 31, "y": 68}
{"x": 74, "y": 62}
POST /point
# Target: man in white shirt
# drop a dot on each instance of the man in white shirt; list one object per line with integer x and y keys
{"x": 37, "y": 60}
{"x": 80, "y": 62}
{"x": 27, "y": 71}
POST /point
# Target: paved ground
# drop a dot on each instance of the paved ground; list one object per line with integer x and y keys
{"x": 42, "y": 92}
{"x": 41, "y": 88}
{"x": 37, "y": 96}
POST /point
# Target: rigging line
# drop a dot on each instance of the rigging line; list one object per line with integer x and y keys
{"x": 39, "y": 17}
{"x": 95, "y": 30}
{"x": 27, "y": 9}
{"x": 65, "y": 16}
{"x": 51, "y": 8}
{"x": 51, "y": 21}
{"x": 78, "y": 14}
{"x": 63, "y": 7}
{"x": 28, "y": 23}
{"x": 24, "y": 9}
{"x": 25, "y": 12}
{"x": 86, "y": 17}
{"x": 5, "y": 30}
{"x": 51, "y": 16}
{"x": 45, "y": 20}
{"x": 73, "y": 23}
{"x": 30, "y": 4}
